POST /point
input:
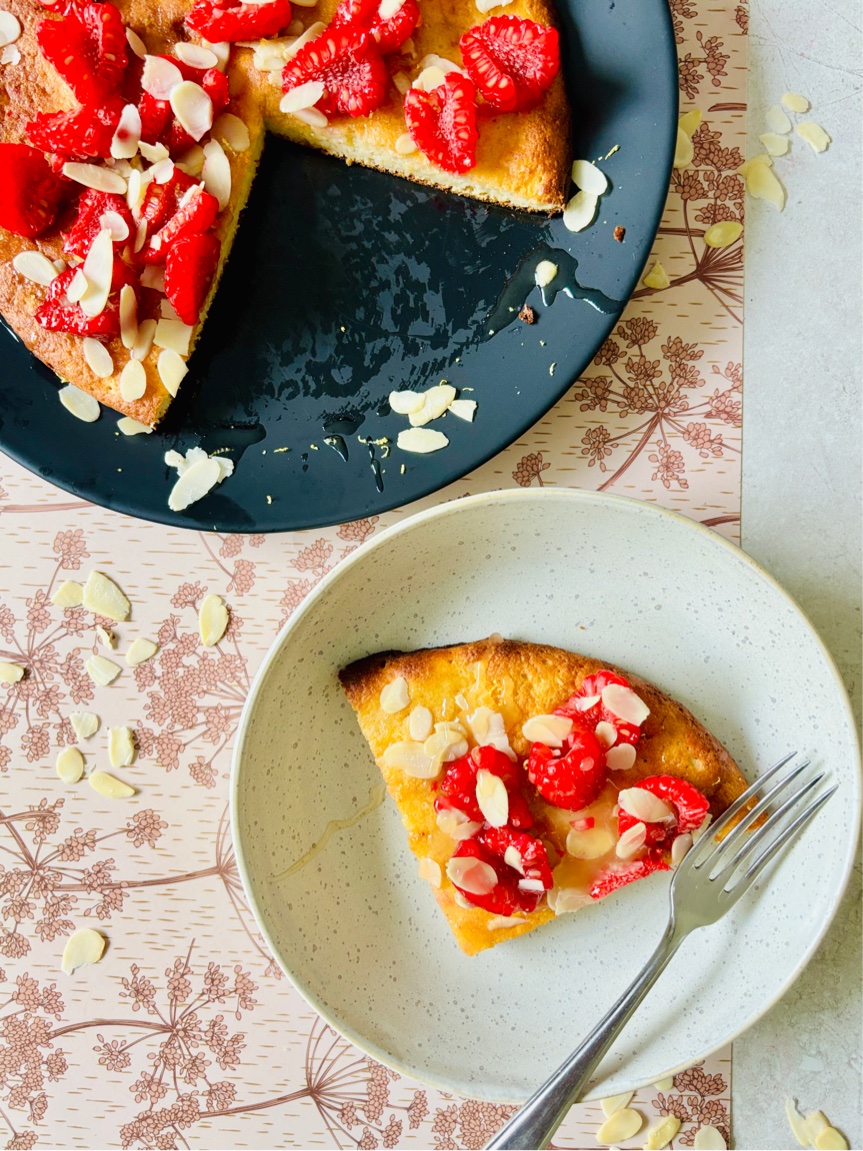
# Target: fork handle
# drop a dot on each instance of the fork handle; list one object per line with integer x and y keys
{"x": 534, "y": 1125}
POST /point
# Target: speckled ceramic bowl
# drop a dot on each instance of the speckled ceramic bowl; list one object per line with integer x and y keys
{"x": 358, "y": 932}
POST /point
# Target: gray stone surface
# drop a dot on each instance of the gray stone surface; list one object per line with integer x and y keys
{"x": 802, "y": 497}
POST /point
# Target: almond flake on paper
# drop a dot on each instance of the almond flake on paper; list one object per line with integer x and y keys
{"x": 69, "y": 765}
{"x": 102, "y": 596}
{"x": 102, "y": 671}
{"x": 109, "y": 786}
{"x": 657, "y": 278}
{"x": 121, "y": 746}
{"x": 212, "y": 620}
{"x": 82, "y": 949}
{"x": 84, "y": 723}
{"x": 69, "y": 594}
{"x": 140, "y": 651}
{"x": 11, "y": 672}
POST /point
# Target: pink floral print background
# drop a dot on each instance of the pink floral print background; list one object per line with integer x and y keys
{"x": 186, "y": 1034}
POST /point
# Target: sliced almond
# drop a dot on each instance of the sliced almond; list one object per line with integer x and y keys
{"x": 777, "y": 120}
{"x": 429, "y": 870}
{"x": 79, "y": 404}
{"x": 446, "y": 743}
{"x": 665, "y": 1084}
{"x": 831, "y": 1140}
{"x": 70, "y": 764}
{"x": 464, "y": 409}
{"x": 657, "y": 278}
{"x": 405, "y": 144}
{"x": 173, "y": 334}
{"x": 395, "y": 696}
{"x": 136, "y": 43}
{"x": 402, "y": 81}
{"x": 98, "y": 268}
{"x": 763, "y": 185}
{"x": 11, "y": 672}
{"x": 565, "y": 900}
{"x": 160, "y": 77}
{"x": 551, "y": 730}
{"x": 684, "y": 151}
{"x": 93, "y": 176}
{"x": 140, "y": 651}
{"x": 10, "y": 28}
{"x": 34, "y": 266}
{"x": 606, "y": 733}
{"x": 420, "y": 723}
{"x": 589, "y": 178}
{"x": 625, "y": 704}
{"x": 620, "y": 1126}
{"x": 421, "y": 441}
{"x": 689, "y": 121}
{"x": 709, "y": 1138}
{"x": 662, "y": 1133}
{"x": 492, "y": 798}
{"x": 631, "y": 842}
{"x": 615, "y": 1102}
{"x": 680, "y": 847}
{"x": 794, "y": 102}
{"x": 102, "y": 596}
{"x": 499, "y": 922}
{"x": 723, "y": 234}
{"x": 814, "y": 135}
{"x": 83, "y": 948}
{"x": 133, "y": 381}
{"x": 797, "y": 1123}
{"x": 172, "y": 369}
{"x": 192, "y": 163}
{"x": 128, "y": 318}
{"x": 212, "y": 619}
{"x": 77, "y": 287}
{"x": 127, "y": 134}
{"x": 408, "y": 756}
{"x": 589, "y": 844}
{"x": 231, "y": 130}
{"x": 195, "y": 482}
{"x": 130, "y": 427}
{"x": 436, "y": 401}
{"x": 512, "y": 858}
{"x": 121, "y": 746}
{"x": 222, "y": 50}
{"x": 102, "y": 671}
{"x": 106, "y": 638}
{"x": 620, "y": 758}
{"x": 775, "y": 145}
{"x": 98, "y": 357}
{"x": 216, "y": 172}
{"x": 69, "y": 594}
{"x": 815, "y": 1123}
{"x": 471, "y": 875}
{"x": 544, "y": 273}
{"x": 84, "y": 723}
{"x": 153, "y": 153}
{"x": 430, "y": 78}
{"x": 303, "y": 96}
{"x": 312, "y": 116}
{"x": 406, "y": 403}
{"x": 10, "y": 54}
{"x": 195, "y": 55}
{"x": 143, "y": 340}
{"x": 761, "y": 158}
{"x": 644, "y": 805}
{"x": 580, "y": 211}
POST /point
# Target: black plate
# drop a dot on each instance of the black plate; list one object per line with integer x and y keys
{"x": 345, "y": 283}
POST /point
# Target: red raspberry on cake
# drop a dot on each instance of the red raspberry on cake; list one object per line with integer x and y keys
{"x": 87, "y": 46}
{"x": 571, "y": 776}
{"x": 92, "y": 206}
{"x": 345, "y": 59}
{"x": 189, "y": 270}
{"x": 512, "y": 61}
{"x": 442, "y": 123}
{"x": 458, "y": 786}
{"x": 618, "y": 875}
{"x": 218, "y": 20}
{"x": 58, "y": 314}
{"x": 686, "y": 808}
{"x": 389, "y": 23}
{"x": 84, "y": 134}
{"x": 485, "y": 880}
{"x": 30, "y": 193}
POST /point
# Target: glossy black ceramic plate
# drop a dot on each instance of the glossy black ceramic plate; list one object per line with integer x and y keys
{"x": 345, "y": 283}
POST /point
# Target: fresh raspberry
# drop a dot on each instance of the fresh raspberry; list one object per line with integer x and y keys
{"x": 217, "y": 20}
{"x": 91, "y": 206}
{"x": 189, "y": 269}
{"x": 505, "y": 898}
{"x": 690, "y": 808}
{"x": 389, "y": 34}
{"x": 346, "y": 60}
{"x": 193, "y": 216}
{"x": 87, "y": 46}
{"x": 591, "y": 687}
{"x": 30, "y": 193}
{"x": 57, "y": 314}
{"x": 617, "y": 875}
{"x": 512, "y": 61}
{"x": 84, "y": 134}
{"x": 534, "y": 860}
{"x": 442, "y": 123}
{"x": 162, "y": 200}
{"x": 458, "y": 786}
{"x": 156, "y": 116}
{"x": 571, "y": 776}
{"x": 215, "y": 84}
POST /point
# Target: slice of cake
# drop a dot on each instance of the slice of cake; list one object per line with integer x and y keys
{"x": 533, "y": 781}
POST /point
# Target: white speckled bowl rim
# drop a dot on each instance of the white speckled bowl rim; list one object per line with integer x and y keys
{"x": 618, "y": 1079}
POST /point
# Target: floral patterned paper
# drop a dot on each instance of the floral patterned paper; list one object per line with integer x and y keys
{"x": 186, "y": 1035}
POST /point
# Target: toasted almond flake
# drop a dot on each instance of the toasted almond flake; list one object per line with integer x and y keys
{"x": 723, "y": 234}
{"x": 195, "y": 55}
{"x": 689, "y": 121}
{"x": 83, "y": 948}
{"x": 684, "y": 151}
{"x": 709, "y": 1138}
{"x": 606, "y": 733}
{"x": 212, "y": 620}
{"x": 172, "y": 369}
{"x": 10, "y": 28}
{"x": 777, "y": 120}
{"x": 173, "y": 334}
{"x": 193, "y": 108}
{"x": 619, "y": 1126}
{"x": 589, "y": 844}
{"x": 143, "y": 340}
{"x": 409, "y": 756}
{"x": 98, "y": 268}
{"x": 430, "y": 78}
{"x": 763, "y": 185}
{"x": 136, "y": 43}
{"x": 10, "y": 54}
{"x": 160, "y": 77}
{"x": 231, "y": 130}
{"x": 311, "y": 33}
{"x": 395, "y": 696}
{"x": 831, "y": 1140}
{"x": 564, "y": 900}
{"x": 102, "y": 671}
{"x": 121, "y": 746}
{"x": 436, "y": 401}
{"x": 79, "y": 404}
{"x": 631, "y": 842}
{"x": 130, "y": 427}
{"x": 544, "y": 273}
{"x": 551, "y": 730}
{"x": 10, "y": 672}
{"x": 429, "y": 870}
{"x": 69, "y": 594}
{"x": 98, "y": 357}
{"x": 85, "y": 724}
{"x": 464, "y": 409}
{"x": 405, "y": 144}
{"x": 814, "y": 135}
{"x": 776, "y": 145}
{"x": 661, "y": 1135}
{"x": 579, "y": 212}
{"x": 140, "y": 651}
{"x": 106, "y": 638}
{"x": 407, "y": 402}
{"x": 794, "y": 102}
{"x": 216, "y": 172}
{"x": 588, "y": 178}
{"x": 471, "y": 875}
{"x": 303, "y": 96}
{"x": 492, "y": 798}
{"x": 615, "y": 1102}
{"x": 128, "y": 319}
{"x": 102, "y": 596}
{"x": 679, "y": 848}
{"x": 69, "y": 764}
{"x": 34, "y": 266}
{"x": 420, "y": 723}
{"x": 92, "y": 176}
{"x": 644, "y": 805}
{"x": 499, "y": 922}
{"x": 402, "y": 81}
{"x": 421, "y": 441}
{"x": 108, "y": 785}
{"x": 625, "y": 704}
{"x": 657, "y": 278}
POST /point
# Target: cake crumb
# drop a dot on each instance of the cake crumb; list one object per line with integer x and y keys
{"x": 528, "y": 314}
{"x": 619, "y": 233}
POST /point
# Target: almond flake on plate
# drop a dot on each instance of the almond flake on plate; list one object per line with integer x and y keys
{"x": 83, "y": 948}
{"x": 130, "y": 427}
{"x": 421, "y": 440}
{"x": 34, "y": 266}
{"x": 620, "y": 1126}
{"x": 69, "y": 764}
{"x": 436, "y": 401}
{"x": 588, "y": 178}
{"x": 84, "y": 723}
{"x": 171, "y": 367}
{"x": 121, "y": 746}
{"x": 212, "y": 620}
{"x": 580, "y": 211}
{"x": 93, "y": 176}
{"x": 395, "y": 696}
{"x": 723, "y": 234}
{"x": 10, "y": 672}
{"x": 406, "y": 403}
{"x": 463, "y": 409}
{"x": 98, "y": 357}
{"x": 108, "y": 785}
{"x": 102, "y": 671}
{"x": 814, "y": 135}
{"x": 777, "y": 120}
{"x": 106, "y": 638}
{"x": 544, "y": 273}
{"x": 614, "y": 1102}
{"x": 140, "y": 651}
{"x": 79, "y": 404}
{"x": 657, "y": 278}
{"x": 102, "y": 596}
{"x": 775, "y": 144}
{"x": 69, "y": 594}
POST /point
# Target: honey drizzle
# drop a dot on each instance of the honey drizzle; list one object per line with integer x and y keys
{"x": 376, "y": 798}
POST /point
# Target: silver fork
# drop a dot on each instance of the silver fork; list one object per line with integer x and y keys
{"x": 705, "y": 885}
